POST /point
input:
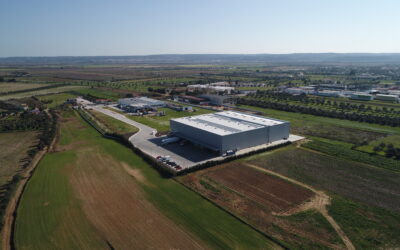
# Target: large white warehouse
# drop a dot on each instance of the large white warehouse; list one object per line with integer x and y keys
{"x": 229, "y": 130}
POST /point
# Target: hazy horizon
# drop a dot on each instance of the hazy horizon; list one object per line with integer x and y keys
{"x": 155, "y": 27}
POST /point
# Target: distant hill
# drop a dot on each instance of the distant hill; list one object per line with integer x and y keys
{"x": 301, "y": 58}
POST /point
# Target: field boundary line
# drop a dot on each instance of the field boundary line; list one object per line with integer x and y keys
{"x": 318, "y": 202}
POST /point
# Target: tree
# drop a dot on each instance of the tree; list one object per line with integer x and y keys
{"x": 377, "y": 149}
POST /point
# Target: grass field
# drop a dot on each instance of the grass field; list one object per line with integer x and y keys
{"x": 13, "y": 147}
{"x": 354, "y": 180}
{"x": 94, "y": 189}
{"x": 392, "y": 139}
{"x": 99, "y": 93}
{"x": 42, "y": 92}
{"x": 114, "y": 125}
{"x": 302, "y": 120}
{"x": 368, "y": 227}
{"x": 161, "y": 123}
{"x": 55, "y": 99}
{"x": 7, "y": 87}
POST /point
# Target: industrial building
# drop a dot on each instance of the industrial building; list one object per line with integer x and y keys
{"x": 389, "y": 98}
{"x": 229, "y": 130}
{"x": 207, "y": 88}
{"x": 139, "y": 103}
{"x": 362, "y": 96}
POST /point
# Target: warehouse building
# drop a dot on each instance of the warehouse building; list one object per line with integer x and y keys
{"x": 229, "y": 130}
{"x": 136, "y": 104}
{"x": 362, "y": 96}
{"x": 389, "y": 98}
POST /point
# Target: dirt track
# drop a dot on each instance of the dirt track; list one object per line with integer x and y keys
{"x": 318, "y": 202}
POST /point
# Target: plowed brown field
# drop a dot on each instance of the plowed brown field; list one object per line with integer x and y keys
{"x": 269, "y": 191}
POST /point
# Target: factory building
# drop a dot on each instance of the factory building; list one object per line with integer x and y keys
{"x": 229, "y": 130}
{"x": 389, "y": 98}
{"x": 362, "y": 96}
{"x": 139, "y": 103}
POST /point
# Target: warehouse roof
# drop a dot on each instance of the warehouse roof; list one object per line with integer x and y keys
{"x": 227, "y": 122}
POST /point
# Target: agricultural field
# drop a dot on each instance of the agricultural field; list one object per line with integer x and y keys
{"x": 161, "y": 123}
{"x": 13, "y": 148}
{"x": 266, "y": 190}
{"x": 266, "y": 202}
{"x": 93, "y": 192}
{"x": 55, "y": 100}
{"x": 360, "y": 182}
{"x": 42, "y": 92}
{"x": 99, "y": 93}
{"x": 341, "y": 130}
{"x": 7, "y": 87}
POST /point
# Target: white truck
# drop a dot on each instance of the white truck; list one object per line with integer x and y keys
{"x": 169, "y": 140}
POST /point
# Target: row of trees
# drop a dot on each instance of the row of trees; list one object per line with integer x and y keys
{"x": 353, "y": 116}
{"x": 23, "y": 121}
{"x": 305, "y": 99}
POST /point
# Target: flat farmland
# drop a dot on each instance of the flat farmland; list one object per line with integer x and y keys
{"x": 7, "y": 87}
{"x": 266, "y": 202}
{"x": 55, "y": 99}
{"x": 94, "y": 193}
{"x": 13, "y": 148}
{"x": 42, "y": 92}
{"x": 371, "y": 185}
{"x": 269, "y": 191}
{"x": 83, "y": 198}
{"x": 161, "y": 123}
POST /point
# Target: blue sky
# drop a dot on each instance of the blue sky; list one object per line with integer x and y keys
{"x": 130, "y": 27}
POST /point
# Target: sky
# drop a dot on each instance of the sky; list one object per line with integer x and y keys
{"x": 131, "y": 27}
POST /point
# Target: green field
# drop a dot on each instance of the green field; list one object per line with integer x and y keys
{"x": 392, "y": 139}
{"x": 49, "y": 216}
{"x": 114, "y": 125}
{"x": 98, "y": 93}
{"x": 365, "y": 199}
{"x": 7, "y": 87}
{"x": 301, "y": 120}
{"x": 367, "y": 227}
{"x": 161, "y": 123}
{"x": 49, "y": 204}
{"x": 55, "y": 99}
{"x": 42, "y": 92}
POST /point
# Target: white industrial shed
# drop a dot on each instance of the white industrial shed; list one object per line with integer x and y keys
{"x": 229, "y": 130}
{"x": 138, "y": 103}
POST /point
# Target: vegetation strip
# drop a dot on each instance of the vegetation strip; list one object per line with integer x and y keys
{"x": 11, "y": 211}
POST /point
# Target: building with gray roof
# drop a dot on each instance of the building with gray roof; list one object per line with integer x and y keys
{"x": 229, "y": 130}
